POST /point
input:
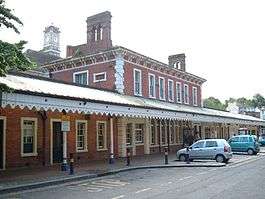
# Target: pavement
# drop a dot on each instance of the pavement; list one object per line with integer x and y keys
{"x": 30, "y": 178}
{"x": 244, "y": 180}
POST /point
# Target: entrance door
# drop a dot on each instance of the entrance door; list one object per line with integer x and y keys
{"x": 1, "y": 144}
{"x": 57, "y": 142}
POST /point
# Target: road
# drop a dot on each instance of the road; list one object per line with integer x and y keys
{"x": 242, "y": 180}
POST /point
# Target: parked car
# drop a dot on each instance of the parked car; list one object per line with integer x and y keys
{"x": 213, "y": 149}
{"x": 244, "y": 143}
{"x": 262, "y": 140}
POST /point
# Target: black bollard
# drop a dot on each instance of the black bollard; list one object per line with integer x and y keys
{"x": 128, "y": 154}
{"x": 71, "y": 171}
{"x": 166, "y": 155}
{"x": 111, "y": 159}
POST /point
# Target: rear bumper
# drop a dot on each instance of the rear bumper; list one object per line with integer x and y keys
{"x": 228, "y": 155}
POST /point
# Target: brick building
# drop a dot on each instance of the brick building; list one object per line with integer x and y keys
{"x": 112, "y": 99}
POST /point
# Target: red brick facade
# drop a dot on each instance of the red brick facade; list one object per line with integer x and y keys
{"x": 14, "y": 132}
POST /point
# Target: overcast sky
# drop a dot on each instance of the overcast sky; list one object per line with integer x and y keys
{"x": 224, "y": 41}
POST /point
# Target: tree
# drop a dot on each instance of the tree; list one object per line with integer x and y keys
{"x": 258, "y": 101}
{"x": 11, "y": 55}
{"x": 230, "y": 100}
{"x": 213, "y": 103}
{"x": 244, "y": 103}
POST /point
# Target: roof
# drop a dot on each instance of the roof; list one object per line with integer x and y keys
{"x": 41, "y": 86}
{"x": 40, "y": 57}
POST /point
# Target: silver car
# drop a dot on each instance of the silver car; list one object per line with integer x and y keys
{"x": 213, "y": 149}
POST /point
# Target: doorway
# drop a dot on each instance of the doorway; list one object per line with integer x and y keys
{"x": 57, "y": 146}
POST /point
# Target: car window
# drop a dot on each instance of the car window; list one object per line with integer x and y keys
{"x": 198, "y": 144}
{"x": 234, "y": 139}
{"x": 211, "y": 144}
{"x": 243, "y": 139}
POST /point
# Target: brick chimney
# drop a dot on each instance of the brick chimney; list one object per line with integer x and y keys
{"x": 99, "y": 32}
{"x": 177, "y": 61}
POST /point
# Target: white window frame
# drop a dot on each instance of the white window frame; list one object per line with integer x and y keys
{"x": 34, "y": 153}
{"x": 186, "y": 102}
{"x": 135, "y": 129}
{"x": 85, "y": 135}
{"x": 180, "y": 91}
{"x": 149, "y": 83}
{"x": 105, "y": 136}
{"x": 81, "y": 72}
{"x": 195, "y": 96}
{"x": 140, "y": 84}
{"x": 101, "y": 80}
{"x": 164, "y": 93}
{"x": 172, "y": 88}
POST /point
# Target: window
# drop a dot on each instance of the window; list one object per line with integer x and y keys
{"x": 100, "y": 77}
{"x": 178, "y": 92}
{"x": 101, "y": 136}
{"x": 100, "y": 33}
{"x": 137, "y": 82}
{"x": 211, "y": 144}
{"x": 170, "y": 91}
{"x": 186, "y": 94}
{"x": 153, "y": 133}
{"x": 194, "y": 96}
{"x": 129, "y": 134}
{"x": 234, "y": 139}
{"x": 151, "y": 85}
{"x": 162, "y": 88}
{"x": 243, "y": 139}
{"x": 81, "y": 135}
{"x": 199, "y": 144}
{"x": 139, "y": 133}
{"x": 96, "y": 34}
{"x": 29, "y": 136}
{"x": 81, "y": 77}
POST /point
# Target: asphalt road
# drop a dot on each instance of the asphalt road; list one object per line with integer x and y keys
{"x": 242, "y": 180}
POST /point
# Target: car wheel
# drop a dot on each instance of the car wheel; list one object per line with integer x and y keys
{"x": 182, "y": 158}
{"x": 220, "y": 158}
{"x": 250, "y": 152}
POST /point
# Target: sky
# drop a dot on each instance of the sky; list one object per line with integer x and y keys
{"x": 224, "y": 40}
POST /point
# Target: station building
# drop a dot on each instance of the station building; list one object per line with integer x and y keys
{"x": 102, "y": 100}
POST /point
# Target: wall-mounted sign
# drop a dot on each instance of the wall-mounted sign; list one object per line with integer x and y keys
{"x": 65, "y": 125}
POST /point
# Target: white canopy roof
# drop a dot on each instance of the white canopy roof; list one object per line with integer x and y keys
{"x": 28, "y": 85}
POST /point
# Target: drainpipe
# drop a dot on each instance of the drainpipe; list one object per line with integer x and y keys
{"x": 44, "y": 118}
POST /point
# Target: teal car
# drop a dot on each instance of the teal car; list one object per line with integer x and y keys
{"x": 262, "y": 140}
{"x": 244, "y": 143}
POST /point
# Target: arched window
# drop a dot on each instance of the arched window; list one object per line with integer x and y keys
{"x": 178, "y": 65}
{"x": 101, "y": 33}
{"x": 96, "y": 34}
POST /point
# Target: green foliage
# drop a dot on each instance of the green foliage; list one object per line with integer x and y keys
{"x": 258, "y": 101}
{"x": 213, "y": 103}
{"x": 7, "y": 18}
{"x": 12, "y": 58}
{"x": 11, "y": 55}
